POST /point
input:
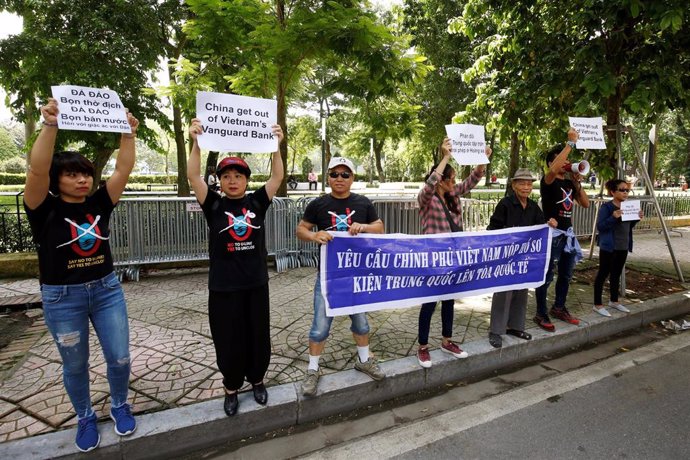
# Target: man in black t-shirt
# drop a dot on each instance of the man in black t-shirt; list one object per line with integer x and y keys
{"x": 343, "y": 211}
{"x": 559, "y": 194}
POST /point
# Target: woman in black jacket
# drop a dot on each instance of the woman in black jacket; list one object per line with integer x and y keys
{"x": 517, "y": 210}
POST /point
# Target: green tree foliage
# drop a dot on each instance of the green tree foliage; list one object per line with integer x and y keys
{"x": 103, "y": 44}
{"x": 541, "y": 61}
{"x": 304, "y": 139}
{"x": 266, "y": 47}
{"x": 8, "y": 146}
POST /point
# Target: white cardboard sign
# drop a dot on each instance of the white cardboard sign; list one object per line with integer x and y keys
{"x": 90, "y": 109}
{"x": 468, "y": 144}
{"x": 234, "y": 123}
{"x": 591, "y": 131}
{"x": 630, "y": 209}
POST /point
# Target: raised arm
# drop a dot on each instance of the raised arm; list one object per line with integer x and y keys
{"x": 194, "y": 164}
{"x": 562, "y": 158}
{"x": 125, "y": 161}
{"x": 475, "y": 176}
{"x": 277, "y": 166}
{"x": 429, "y": 188}
{"x": 38, "y": 174}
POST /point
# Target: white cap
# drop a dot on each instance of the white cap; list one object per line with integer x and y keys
{"x": 340, "y": 161}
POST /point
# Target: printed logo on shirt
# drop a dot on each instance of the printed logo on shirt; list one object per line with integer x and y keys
{"x": 240, "y": 227}
{"x": 567, "y": 200}
{"x": 86, "y": 237}
{"x": 341, "y": 222}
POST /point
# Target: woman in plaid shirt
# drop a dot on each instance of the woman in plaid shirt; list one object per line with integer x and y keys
{"x": 439, "y": 211}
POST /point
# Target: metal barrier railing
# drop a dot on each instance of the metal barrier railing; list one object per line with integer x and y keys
{"x": 171, "y": 229}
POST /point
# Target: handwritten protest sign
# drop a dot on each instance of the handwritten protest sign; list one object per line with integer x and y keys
{"x": 234, "y": 123}
{"x": 591, "y": 131}
{"x": 90, "y": 109}
{"x": 631, "y": 210}
{"x": 375, "y": 272}
{"x": 468, "y": 145}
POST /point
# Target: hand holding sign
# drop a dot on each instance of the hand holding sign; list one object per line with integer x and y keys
{"x": 90, "y": 109}
{"x": 232, "y": 123}
{"x": 630, "y": 210}
{"x": 591, "y": 132}
{"x": 50, "y": 112}
{"x": 468, "y": 145}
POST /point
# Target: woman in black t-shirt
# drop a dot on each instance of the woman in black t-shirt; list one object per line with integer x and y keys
{"x": 71, "y": 229}
{"x": 238, "y": 305}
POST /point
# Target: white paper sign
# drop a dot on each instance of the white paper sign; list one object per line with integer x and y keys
{"x": 234, "y": 123}
{"x": 630, "y": 209}
{"x": 468, "y": 145}
{"x": 90, "y": 109}
{"x": 591, "y": 131}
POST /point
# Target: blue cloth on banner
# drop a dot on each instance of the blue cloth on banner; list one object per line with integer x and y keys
{"x": 571, "y": 243}
{"x": 372, "y": 272}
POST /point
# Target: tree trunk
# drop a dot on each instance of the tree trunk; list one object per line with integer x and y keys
{"x": 613, "y": 104}
{"x": 378, "y": 148}
{"x": 514, "y": 163}
{"x": 29, "y": 126}
{"x": 182, "y": 182}
{"x": 103, "y": 154}
{"x": 489, "y": 166}
{"x": 282, "y": 121}
{"x": 211, "y": 162}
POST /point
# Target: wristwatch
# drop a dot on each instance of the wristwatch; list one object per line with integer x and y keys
{"x": 571, "y": 144}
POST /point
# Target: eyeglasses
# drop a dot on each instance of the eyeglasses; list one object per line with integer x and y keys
{"x": 344, "y": 174}
{"x": 624, "y": 190}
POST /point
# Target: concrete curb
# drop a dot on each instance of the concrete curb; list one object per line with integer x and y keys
{"x": 185, "y": 429}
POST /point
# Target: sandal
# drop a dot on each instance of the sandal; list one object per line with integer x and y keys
{"x": 495, "y": 340}
{"x": 519, "y": 334}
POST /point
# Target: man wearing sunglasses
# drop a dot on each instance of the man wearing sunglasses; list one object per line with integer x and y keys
{"x": 349, "y": 212}
{"x": 560, "y": 190}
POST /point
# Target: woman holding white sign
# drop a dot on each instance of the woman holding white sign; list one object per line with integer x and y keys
{"x": 439, "y": 211}
{"x": 71, "y": 228}
{"x": 615, "y": 241}
{"x": 238, "y": 303}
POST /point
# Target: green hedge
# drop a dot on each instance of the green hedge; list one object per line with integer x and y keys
{"x": 20, "y": 179}
{"x": 12, "y": 179}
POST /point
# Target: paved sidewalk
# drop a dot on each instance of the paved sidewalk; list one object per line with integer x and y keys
{"x": 173, "y": 360}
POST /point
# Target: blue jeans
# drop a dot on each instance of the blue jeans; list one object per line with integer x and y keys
{"x": 425, "y": 314}
{"x": 566, "y": 264}
{"x": 67, "y": 310}
{"x": 321, "y": 325}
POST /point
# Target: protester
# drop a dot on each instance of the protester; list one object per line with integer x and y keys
{"x": 559, "y": 193}
{"x": 508, "y": 308}
{"x": 238, "y": 302}
{"x": 615, "y": 241}
{"x": 312, "y": 178}
{"x": 341, "y": 210}
{"x": 71, "y": 229}
{"x": 439, "y": 211}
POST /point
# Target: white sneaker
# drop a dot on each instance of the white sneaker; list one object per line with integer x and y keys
{"x": 602, "y": 311}
{"x": 619, "y": 307}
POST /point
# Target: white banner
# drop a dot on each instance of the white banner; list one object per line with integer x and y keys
{"x": 630, "y": 209}
{"x": 234, "y": 123}
{"x": 591, "y": 131}
{"x": 90, "y": 109}
{"x": 468, "y": 144}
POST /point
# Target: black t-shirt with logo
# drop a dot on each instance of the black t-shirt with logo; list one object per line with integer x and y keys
{"x": 237, "y": 242}
{"x": 338, "y": 214}
{"x": 557, "y": 201}
{"x": 73, "y": 238}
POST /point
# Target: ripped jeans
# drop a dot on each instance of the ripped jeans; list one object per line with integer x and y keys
{"x": 67, "y": 310}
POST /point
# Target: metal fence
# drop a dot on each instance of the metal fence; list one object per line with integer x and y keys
{"x": 171, "y": 229}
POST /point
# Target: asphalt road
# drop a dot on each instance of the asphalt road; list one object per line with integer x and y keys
{"x": 633, "y": 405}
{"x": 641, "y": 413}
